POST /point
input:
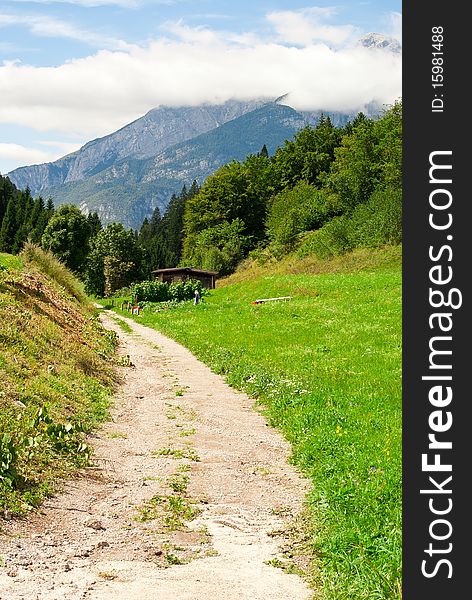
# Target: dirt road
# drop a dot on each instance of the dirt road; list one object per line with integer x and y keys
{"x": 188, "y": 496}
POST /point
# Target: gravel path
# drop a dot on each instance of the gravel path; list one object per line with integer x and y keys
{"x": 188, "y": 496}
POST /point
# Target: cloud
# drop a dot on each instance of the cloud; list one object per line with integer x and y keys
{"x": 395, "y": 20}
{"x": 306, "y": 26}
{"x": 46, "y": 26}
{"x": 96, "y": 95}
{"x": 93, "y": 3}
{"x": 27, "y": 156}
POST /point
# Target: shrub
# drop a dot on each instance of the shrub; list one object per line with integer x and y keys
{"x": 372, "y": 224}
{"x": 330, "y": 240}
{"x": 185, "y": 290}
{"x": 294, "y": 211}
{"x": 157, "y": 291}
{"x": 151, "y": 291}
{"x": 378, "y": 221}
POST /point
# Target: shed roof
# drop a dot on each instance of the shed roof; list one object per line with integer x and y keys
{"x": 185, "y": 270}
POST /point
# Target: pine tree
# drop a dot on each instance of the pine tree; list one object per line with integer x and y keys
{"x": 9, "y": 226}
{"x": 39, "y": 220}
{"x": 7, "y": 191}
{"x": 264, "y": 152}
{"x": 95, "y": 224}
{"x": 23, "y": 218}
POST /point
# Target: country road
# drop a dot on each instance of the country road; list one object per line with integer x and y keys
{"x": 189, "y": 496}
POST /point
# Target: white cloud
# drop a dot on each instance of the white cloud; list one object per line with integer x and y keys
{"x": 396, "y": 25}
{"x": 306, "y": 26}
{"x": 92, "y": 3}
{"x": 51, "y": 27}
{"x": 27, "y": 156}
{"x": 96, "y": 95}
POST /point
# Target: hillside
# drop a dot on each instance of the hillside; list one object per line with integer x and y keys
{"x": 56, "y": 377}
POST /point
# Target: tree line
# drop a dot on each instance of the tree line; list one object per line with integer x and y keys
{"x": 104, "y": 258}
{"x": 328, "y": 190}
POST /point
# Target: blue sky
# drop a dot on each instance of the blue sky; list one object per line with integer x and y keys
{"x": 74, "y": 70}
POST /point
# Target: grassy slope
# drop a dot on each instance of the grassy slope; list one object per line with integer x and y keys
{"x": 55, "y": 371}
{"x": 327, "y": 364}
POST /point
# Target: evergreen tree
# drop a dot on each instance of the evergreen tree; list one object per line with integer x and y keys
{"x": 155, "y": 222}
{"x": 50, "y": 209}
{"x": 7, "y": 191}
{"x": 162, "y": 237}
{"x": 9, "y": 226}
{"x": 264, "y": 152}
{"x": 95, "y": 225}
{"x": 39, "y": 220}
{"x": 25, "y": 206}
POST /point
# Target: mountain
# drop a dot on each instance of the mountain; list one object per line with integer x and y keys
{"x": 380, "y": 42}
{"x": 130, "y": 189}
{"x": 157, "y": 130}
{"x": 124, "y": 176}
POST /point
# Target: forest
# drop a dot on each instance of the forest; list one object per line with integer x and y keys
{"x": 327, "y": 191}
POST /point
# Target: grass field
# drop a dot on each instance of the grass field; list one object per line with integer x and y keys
{"x": 326, "y": 364}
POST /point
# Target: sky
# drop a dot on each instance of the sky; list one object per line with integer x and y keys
{"x": 75, "y": 70}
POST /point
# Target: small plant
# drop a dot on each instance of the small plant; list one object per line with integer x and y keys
{"x": 125, "y": 361}
{"x": 172, "y": 511}
{"x": 187, "y": 432}
{"x": 172, "y": 559}
{"x": 8, "y": 456}
{"x": 108, "y": 575}
{"x": 178, "y": 483}
{"x": 286, "y": 566}
{"x": 178, "y": 453}
{"x": 65, "y": 438}
{"x": 117, "y": 434}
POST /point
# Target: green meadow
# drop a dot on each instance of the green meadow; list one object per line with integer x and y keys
{"x": 325, "y": 367}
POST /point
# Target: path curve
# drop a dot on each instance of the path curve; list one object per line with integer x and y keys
{"x": 181, "y": 444}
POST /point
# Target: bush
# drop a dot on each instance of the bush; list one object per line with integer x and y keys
{"x": 151, "y": 291}
{"x": 185, "y": 290}
{"x": 377, "y": 222}
{"x": 373, "y": 224}
{"x": 294, "y": 211}
{"x": 157, "y": 291}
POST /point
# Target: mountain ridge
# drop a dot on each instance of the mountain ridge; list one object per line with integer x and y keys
{"x": 130, "y": 189}
{"x": 146, "y": 136}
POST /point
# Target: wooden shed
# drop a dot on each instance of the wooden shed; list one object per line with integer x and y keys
{"x": 182, "y": 273}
